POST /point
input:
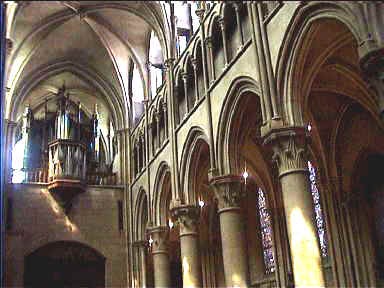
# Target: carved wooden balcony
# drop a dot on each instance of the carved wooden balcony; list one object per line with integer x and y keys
{"x": 66, "y": 170}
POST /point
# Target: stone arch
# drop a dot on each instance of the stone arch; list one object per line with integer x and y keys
{"x": 111, "y": 96}
{"x": 161, "y": 195}
{"x": 52, "y": 264}
{"x": 291, "y": 52}
{"x": 141, "y": 215}
{"x": 224, "y": 148}
{"x": 192, "y": 148}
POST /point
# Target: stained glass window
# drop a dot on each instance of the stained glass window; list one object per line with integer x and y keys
{"x": 319, "y": 219}
{"x": 266, "y": 232}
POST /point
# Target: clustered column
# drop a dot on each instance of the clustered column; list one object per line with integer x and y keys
{"x": 160, "y": 255}
{"x": 141, "y": 263}
{"x": 229, "y": 190}
{"x": 187, "y": 217}
{"x": 289, "y": 146}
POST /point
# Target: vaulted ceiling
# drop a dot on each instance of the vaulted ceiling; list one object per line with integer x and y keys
{"x": 88, "y": 45}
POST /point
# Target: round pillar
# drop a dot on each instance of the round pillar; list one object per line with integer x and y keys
{"x": 187, "y": 218}
{"x": 289, "y": 146}
{"x": 160, "y": 256}
{"x": 229, "y": 190}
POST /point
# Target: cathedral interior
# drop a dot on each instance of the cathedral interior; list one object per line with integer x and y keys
{"x": 192, "y": 143}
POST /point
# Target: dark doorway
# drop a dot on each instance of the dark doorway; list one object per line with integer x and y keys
{"x": 64, "y": 264}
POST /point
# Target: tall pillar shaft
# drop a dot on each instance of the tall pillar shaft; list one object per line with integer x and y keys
{"x": 187, "y": 219}
{"x": 289, "y": 145}
{"x": 160, "y": 256}
{"x": 228, "y": 191}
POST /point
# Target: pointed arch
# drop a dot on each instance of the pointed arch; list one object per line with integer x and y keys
{"x": 196, "y": 139}
{"x": 225, "y": 151}
{"x": 290, "y": 53}
{"x": 161, "y": 194}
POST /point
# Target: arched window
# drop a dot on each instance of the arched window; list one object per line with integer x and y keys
{"x": 137, "y": 94}
{"x": 183, "y": 24}
{"x": 319, "y": 218}
{"x": 156, "y": 65}
{"x": 18, "y": 175}
{"x": 266, "y": 232}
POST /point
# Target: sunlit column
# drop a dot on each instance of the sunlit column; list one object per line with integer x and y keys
{"x": 229, "y": 190}
{"x": 289, "y": 146}
{"x": 160, "y": 255}
{"x": 187, "y": 218}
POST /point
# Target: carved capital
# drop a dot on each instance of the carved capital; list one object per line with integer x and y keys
{"x": 140, "y": 244}
{"x": 289, "y": 149}
{"x": 222, "y": 23}
{"x": 187, "y": 217}
{"x": 229, "y": 190}
{"x": 208, "y": 42}
{"x": 8, "y": 46}
{"x": 159, "y": 235}
{"x": 195, "y": 63}
{"x": 184, "y": 76}
{"x": 200, "y": 13}
{"x": 169, "y": 63}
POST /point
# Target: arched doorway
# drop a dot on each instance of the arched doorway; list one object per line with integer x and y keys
{"x": 64, "y": 264}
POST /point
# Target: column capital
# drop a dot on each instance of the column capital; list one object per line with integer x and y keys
{"x": 8, "y": 46}
{"x": 187, "y": 217}
{"x": 184, "y": 75}
{"x": 168, "y": 63}
{"x": 10, "y": 123}
{"x": 208, "y": 41}
{"x": 159, "y": 236}
{"x": 222, "y": 23}
{"x": 289, "y": 149}
{"x": 140, "y": 244}
{"x": 195, "y": 63}
{"x": 229, "y": 189}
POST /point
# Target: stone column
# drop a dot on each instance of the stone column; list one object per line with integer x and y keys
{"x": 237, "y": 8}
{"x": 184, "y": 75}
{"x": 187, "y": 217}
{"x": 160, "y": 255}
{"x": 288, "y": 145}
{"x": 157, "y": 117}
{"x": 195, "y": 67}
{"x": 141, "y": 250}
{"x": 165, "y": 120}
{"x": 223, "y": 34}
{"x": 228, "y": 190}
{"x": 208, "y": 43}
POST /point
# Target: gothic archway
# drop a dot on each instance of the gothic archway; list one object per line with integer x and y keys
{"x": 64, "y": 264}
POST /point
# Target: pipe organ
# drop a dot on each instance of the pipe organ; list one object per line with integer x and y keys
{"x": 63, "y": 149}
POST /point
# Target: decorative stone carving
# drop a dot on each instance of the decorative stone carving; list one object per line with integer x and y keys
{"x": 229, "y": 190}
{"x": 289, "y": 149}
{"x": 160, "y": 235}
{"x": 187, "y": 217}
{"x": 140, "y": 244}
{"x": 9, "y": 46}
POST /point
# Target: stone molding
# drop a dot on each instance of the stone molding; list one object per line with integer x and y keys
{"x": 229, "y": 189}
{"x": 140, "y": 244}
{"x": 187, "y": 217}
{"x": 289, "y": 149}
{"x": 160, "y": 236}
